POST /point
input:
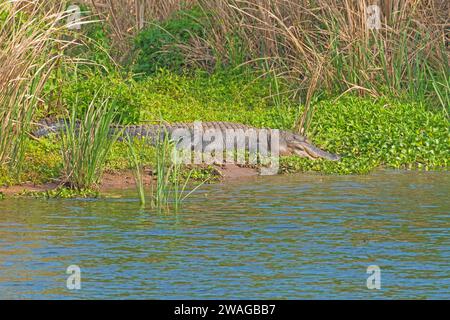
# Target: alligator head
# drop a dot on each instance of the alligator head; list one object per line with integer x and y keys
{"x": 295, "y": 144}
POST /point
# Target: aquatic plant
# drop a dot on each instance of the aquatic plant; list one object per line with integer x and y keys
{"x": 136, "y": 164}
{"x": 160, "y": 193}
{"x": 171, "y": 182}
{"x": 60, "y": 193}
{"x": 85, "y": 144}
{"x": 370, "y": 133}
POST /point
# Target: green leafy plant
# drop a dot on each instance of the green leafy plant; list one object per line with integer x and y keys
{"x": 372, "y": 133}
{"x": 61, "y": 193}
{"x": 123, "y": 92}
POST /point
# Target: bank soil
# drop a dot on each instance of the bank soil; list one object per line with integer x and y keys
{"x": 125, "y": 180}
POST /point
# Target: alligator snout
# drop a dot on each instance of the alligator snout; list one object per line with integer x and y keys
{"x": 300, "y": 146}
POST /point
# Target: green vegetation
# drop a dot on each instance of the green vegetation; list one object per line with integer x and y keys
{"x": 170, "y": 187}
{"x": 330, "y": 47}
{"x": 370, "y": 133}
{"x": 86, "y": 144}
{"x": 123, "y": 93}
{"x": 61, "y": 193}
{"x": 42, "y": 164}
{"x": 136, "y": 164}
{"x": 161, "y": 45}
{"x": 26, "y": 59}
{"x": 377, "y": 98}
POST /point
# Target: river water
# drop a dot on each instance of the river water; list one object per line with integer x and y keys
{"x": 299, "y": 236}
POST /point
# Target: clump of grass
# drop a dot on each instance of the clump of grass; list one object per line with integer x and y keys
{"x": 223, "y": 95}
{"x": 171, "y": 180}
{"x": 86, "y": 144}
{"x": 136, "y": 164}
{"x": 28, "y": 37}
{"x": 161, "y": 192}
{"x": 160, "y": 45}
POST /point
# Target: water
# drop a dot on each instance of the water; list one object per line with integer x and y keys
{"x": 305, "y": 236}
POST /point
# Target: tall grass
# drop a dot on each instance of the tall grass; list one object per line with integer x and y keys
{"x": 317, "y": 46}
{"x": 170, "y": 189}
{"x": 86, "y": 144}
{"x": 161, "y": 192}
{"x": 171, "y": 186}
{"x": 29, "y": 33}
{"x": 136, "y": 164}
{"x": 126, "y": 17}
{"x": 325, "y": 45}
{"x": 179, "y": 189}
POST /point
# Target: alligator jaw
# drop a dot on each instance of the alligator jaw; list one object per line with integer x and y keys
{"x": 305, "y": 149}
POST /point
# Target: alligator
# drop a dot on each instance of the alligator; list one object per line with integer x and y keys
{"x": 289, "y": 142}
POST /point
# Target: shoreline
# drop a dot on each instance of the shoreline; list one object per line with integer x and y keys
{"x": 124, "y": 179}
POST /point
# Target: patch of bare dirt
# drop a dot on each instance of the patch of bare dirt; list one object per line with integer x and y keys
{"x": 122, "y": 180}
{"x": 28, "y": 187}
{"x": 233, "y": 171}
